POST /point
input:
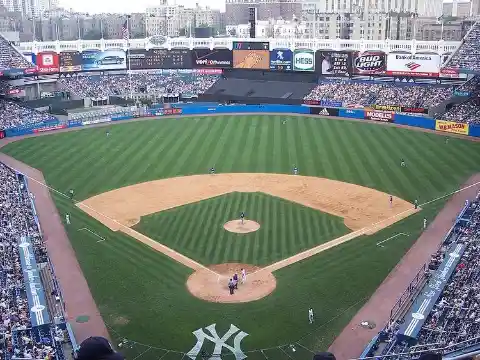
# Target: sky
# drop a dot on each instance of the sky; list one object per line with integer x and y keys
{"x": 129, "y": 6}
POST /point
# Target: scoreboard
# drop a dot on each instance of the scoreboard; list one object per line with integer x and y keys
{"x": 138, "y": 59}
{"x": 251, "y": 45}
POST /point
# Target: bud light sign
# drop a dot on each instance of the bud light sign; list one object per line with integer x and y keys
{"x": 304, "y": 60}
{"x": 369, "y": 62}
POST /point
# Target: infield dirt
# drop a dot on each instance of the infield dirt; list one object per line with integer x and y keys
{"x": 364, "y": 210}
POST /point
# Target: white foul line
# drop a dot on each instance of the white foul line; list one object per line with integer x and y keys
{"x": 94, "y": 233}
{"x": 390, "y": 238}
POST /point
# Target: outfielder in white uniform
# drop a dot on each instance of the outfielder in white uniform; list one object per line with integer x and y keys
{"x": 311, "y": 318}
{"x": 244, "y": 276}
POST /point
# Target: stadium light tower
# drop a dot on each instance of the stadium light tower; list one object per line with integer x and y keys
{"x": 252, "y": 20}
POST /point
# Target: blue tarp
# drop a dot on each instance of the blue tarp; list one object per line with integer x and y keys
{"x": 33, "y": 285}
{"x": 424, "y": 303}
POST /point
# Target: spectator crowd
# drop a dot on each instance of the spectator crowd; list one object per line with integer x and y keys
{"x": 455, "y": 318}
{"x": 352, "y": 93}
{"x": 13, "y": 114}
{"x": 101, "y": 86}
{"x": 17, "y": 338}
{"x": 10, "y": 58}
{"x": 468, "y": 54}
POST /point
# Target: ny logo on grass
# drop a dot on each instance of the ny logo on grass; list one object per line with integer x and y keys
{"x": 220, "y": 342}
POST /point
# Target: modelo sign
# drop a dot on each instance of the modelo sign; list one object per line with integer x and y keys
{"x": 304, "y": 60}
{"x": 369, "y": 62}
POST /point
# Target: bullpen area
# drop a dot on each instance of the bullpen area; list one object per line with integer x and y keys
{"x": 316, "y": 212}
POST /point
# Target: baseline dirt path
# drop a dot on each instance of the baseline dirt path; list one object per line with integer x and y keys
{"x": 354, "y": 338}
{"x": 75, "y": 291}
{"x": 359, "y": 206}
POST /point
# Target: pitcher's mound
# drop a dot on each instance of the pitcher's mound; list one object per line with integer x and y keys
{"x": 207, "y": 285}
{"x": 236, "y": 226}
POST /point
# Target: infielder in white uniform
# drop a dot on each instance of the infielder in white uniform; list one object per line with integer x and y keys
{"x": 310, "y": 316}
{"x": 67, "y": 219}
{"x": 424, "y": 223}
{"x": 244, "y": 276}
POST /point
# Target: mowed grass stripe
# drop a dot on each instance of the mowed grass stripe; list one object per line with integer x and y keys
{"x": 273, "y": 242}
{"x": 229, "y": 162}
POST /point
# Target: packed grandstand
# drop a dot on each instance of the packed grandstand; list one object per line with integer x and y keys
{"x": 454, "y": 320}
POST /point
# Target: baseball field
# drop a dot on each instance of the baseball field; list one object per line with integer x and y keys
{"x": 158, "y": 237}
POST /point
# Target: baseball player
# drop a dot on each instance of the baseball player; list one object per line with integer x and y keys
{"x": 402, "y": 163}
{"x": 424, "y": 223}
{"x": 295, "y": 170}
{"x": 212, "y": 170}
{"x": 244, "y": 276}
{"x": 242, "y": 216}
{"x": 108, "y": 133}
{"x": 416, "y": 204}
{"x": 311, "y": 317}
{"x": 391, "y": 200}
{"x": 67, "y": 219}
{"x": 235, "y": 280}
{"x": 446, "y": 140}
{"x": 70, "y": 193}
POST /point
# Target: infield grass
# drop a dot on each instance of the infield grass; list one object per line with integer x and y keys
{"x": 196, "y": 230}
{"x": 141, "y": 294}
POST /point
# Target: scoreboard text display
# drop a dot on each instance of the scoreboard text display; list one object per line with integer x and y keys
{"x": 140, "y": 59}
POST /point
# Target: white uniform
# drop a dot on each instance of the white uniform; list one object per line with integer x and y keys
{"x": 310, "y": 316}
{"x": 425, "y": 223}
{"x": 67, "y": 219}
{"x": 244, "y": 276}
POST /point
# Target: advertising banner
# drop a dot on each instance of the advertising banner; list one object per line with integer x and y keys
{"x": 324, "y": 102}
{"x": 396, "y": 108}
{"x": 251, "y": 59}
{"x": 304, "y": 60}
{"x": 384, "y": 116}
{"x": 49, "y": 128}
{"x": 33, "y": 284}
{"x": 324, "y": 111}
{"x": 208, "y": 71}
{"x": 70, "y": 61}
{"x": 216, "y": 58}
{"x": 172, "y": 111}
{"x": 414, "y": 110}
{"x": 462, "y": 93}
{"x": 281, "y": 60}
{"x": 47, "y": 62}
{"x": 103, "y": 60}
{"x": 425, "y": 65}
{"x": 452, "y": 74}
{"x": 333, "y": 63}
{"x": 369, "y": 62}
{"x": 96, "y": 121}
{"x": 29, "y": 56}
{"x": 452, "y": 127}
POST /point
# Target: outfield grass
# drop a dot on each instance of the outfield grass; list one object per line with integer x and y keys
{"x": 196, "y": 230}
{"x": 129, "y": 281}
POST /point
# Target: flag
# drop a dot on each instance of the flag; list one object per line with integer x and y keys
{"x": 125, "y": 32}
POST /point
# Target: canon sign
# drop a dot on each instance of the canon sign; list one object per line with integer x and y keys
{"x": 370, "y": 62}
{"x": 303, "y": 60}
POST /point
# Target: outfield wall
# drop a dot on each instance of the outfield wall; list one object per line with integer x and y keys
{"x": 415, "y": 120}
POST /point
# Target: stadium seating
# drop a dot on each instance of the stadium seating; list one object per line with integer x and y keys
{"x": 101, "y": 86}
{"x": 17, "y": 220}
{"x": 10, "y": 58}
{"x": 368, "y": 93}
{"x": 13, "y": 114}
{"x": 455, "y": 317}
{"x": 467, "y": 55}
